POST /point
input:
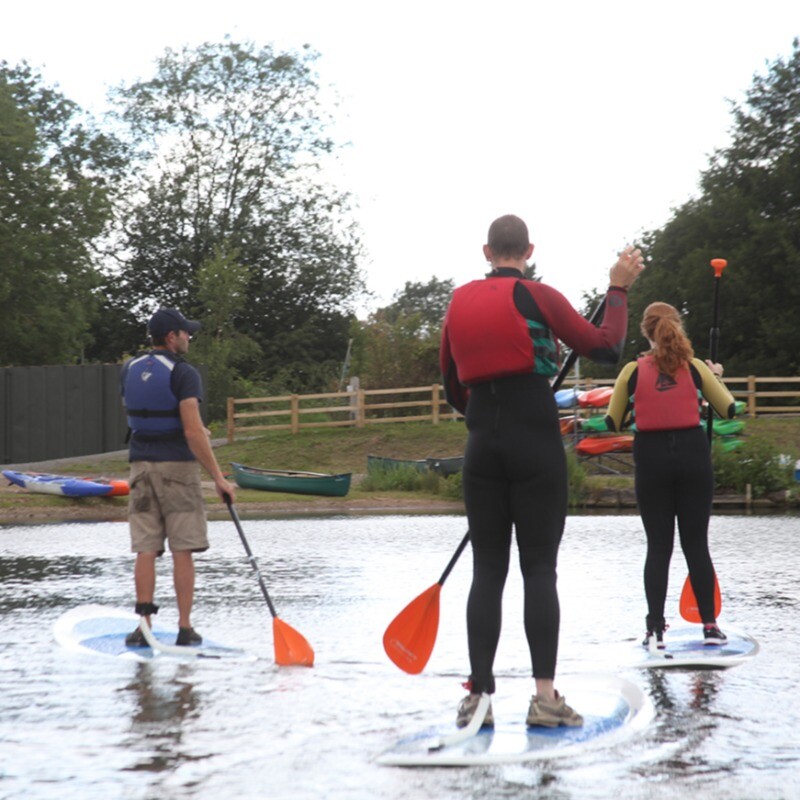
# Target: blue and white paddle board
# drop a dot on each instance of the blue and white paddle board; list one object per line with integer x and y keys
{"x": 685, "y": 648}
{"x": 101, "y": 630}
{"x": 613, "y": 709}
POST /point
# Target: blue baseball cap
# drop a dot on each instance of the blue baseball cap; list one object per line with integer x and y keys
{"x": 170, "y": 319}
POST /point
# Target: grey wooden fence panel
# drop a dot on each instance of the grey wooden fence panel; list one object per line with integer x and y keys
{"x": 54, "y": 401}
{"x": 61, "y": 412}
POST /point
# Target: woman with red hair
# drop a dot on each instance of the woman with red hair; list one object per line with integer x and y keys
{"x": 674, "y": 475}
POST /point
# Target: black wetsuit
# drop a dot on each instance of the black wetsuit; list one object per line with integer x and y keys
{"x": 514, "y": 467}
{"x": 674, "y": 476}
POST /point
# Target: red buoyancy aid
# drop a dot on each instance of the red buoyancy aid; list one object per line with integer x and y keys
{"x": 488, "y": 336}
{"x": 661, "y": 403}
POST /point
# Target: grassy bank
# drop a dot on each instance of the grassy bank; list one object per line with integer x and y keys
{"x": 345, "y": 450}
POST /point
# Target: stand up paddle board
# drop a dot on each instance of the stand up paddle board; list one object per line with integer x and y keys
{"x": 613, "y": 709}
{"x": 685, "y": 648}
{"x": 101, "y": 630}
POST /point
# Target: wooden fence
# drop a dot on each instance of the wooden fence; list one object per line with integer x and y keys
{"x": 427, "y": 403}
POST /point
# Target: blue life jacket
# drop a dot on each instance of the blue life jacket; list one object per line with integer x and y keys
{"x": 151, "y": 405}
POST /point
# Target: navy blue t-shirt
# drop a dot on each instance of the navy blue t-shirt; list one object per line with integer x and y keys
{"x": 185, "y": 382}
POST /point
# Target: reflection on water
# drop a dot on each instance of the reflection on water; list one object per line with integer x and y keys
{"x": 75, "y": 726}
{"x": 160, "y": 708}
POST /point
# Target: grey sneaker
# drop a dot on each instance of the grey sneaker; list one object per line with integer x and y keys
{"x": 713, "y": 635}
{"x": 466, "y": 709}
{"x": 551, "y": 715}
{"x": 136, "y": 639}
{"x": 187, "y": 637}
{"x": 658, "y": 636}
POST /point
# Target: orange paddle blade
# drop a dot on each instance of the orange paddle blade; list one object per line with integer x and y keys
{"x": 411, "y": 635}
{"x": 291, "y": 648}
{"x": 688, "y": 604}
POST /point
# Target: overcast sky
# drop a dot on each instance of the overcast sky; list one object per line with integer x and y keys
{"x": 590, "y": 120}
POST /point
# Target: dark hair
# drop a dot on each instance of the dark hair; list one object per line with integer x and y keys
{"x": 662, "y": 325}
{"x": 508, "y": 237}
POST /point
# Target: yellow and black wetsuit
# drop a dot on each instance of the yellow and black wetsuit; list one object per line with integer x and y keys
{"x": 674, "y": 475}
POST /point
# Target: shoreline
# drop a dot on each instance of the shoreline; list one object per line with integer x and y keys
{"x": 98, "y": 509}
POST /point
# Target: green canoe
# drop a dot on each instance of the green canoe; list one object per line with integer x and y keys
{"x": 280, "y": 480}
{"x": 444, "y": 466}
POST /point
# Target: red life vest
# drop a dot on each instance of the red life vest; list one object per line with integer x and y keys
{"x": 488, "y": 336}
{"x": 661, "y": 403}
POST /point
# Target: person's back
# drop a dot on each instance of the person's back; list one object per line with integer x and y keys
{"x": 498, "y": 352}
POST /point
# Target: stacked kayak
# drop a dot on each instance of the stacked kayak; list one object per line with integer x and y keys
{"x": 599, "y": 445}
{"x": 68, "y": 486}
{"x": 595, "y": 398}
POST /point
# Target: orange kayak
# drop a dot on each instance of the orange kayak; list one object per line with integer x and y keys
{"x": 567, "y": 425}
{"x": 597, "y": 445}
{"x": 595, "y": 398}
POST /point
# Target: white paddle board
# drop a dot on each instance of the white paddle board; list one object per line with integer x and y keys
{"x": 101, "y": 630}
{"x": 684, "y": 647}
{"x": 612, "y": 708}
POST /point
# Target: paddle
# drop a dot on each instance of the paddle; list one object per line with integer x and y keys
{"x": 291, "y": 648}
{"x": 411, "y": 635}
{"x": 718, "y": 264}
{"x": 688, "y": 601}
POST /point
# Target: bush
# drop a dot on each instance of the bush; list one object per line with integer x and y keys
{"x": 400, "y": 479}
{"x": 453, "y": 487}
{"x": 757, "y": 463}
{"x": 577, "y": 488}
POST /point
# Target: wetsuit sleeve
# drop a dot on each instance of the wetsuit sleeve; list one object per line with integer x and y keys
{"x": 456, "y": 394}
{"x": 620, "y": 404}
{"x": 715, "y": 391}
{"x": 603, "y": 344}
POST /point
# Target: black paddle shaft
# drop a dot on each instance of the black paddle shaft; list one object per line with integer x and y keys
{"x": 714, "y": 352}
{"x": 250, "y": 556}
{"x": 559, "y": 379}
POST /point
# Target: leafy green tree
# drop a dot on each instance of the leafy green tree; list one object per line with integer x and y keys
{"x": 231, "y": 142}
{"x": 399, "y": 344}
{"x": 428, "y": 301}
{"x": 748, "y": 213}
{"x": 222, "y": 291}
{"x": 57, "y": 173}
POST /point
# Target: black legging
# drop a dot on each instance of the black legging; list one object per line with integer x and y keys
{"x": 675, "y": 480}
{"x": 514, "y": 474}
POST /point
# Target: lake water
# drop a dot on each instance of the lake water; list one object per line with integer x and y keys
{"x": 78, "y": 726}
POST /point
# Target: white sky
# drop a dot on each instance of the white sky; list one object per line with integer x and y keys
{"x": 590, "y": 120}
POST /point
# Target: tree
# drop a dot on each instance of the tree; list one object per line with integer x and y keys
{"x": 222, "y": 285}
{"x": 399, "y": 344}
{"x": 748, "y": 213}
{"x": 57, "y": 174}
{"x": 428, "y": 301}
{"x": 231, "y": 140}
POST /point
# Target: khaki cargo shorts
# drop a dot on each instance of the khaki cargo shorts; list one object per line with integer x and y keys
{"x": 166, "y": 504}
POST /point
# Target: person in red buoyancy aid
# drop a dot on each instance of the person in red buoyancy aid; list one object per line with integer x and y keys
{"x": 498, "y": 351}
{"x": 674, "y": 475}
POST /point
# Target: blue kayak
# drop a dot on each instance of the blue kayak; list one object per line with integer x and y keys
{"x": 65, "y": 485}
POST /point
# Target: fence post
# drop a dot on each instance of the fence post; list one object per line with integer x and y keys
{"x": 295, "y": 413}
{"x": 751, "y": 395}
{"x": 352, "y": 388}
{"x": 361, "y": 410}
{"x": 231, "y": 427}
{"x": 435, "y": 403}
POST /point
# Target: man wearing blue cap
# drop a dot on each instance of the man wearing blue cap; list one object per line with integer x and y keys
{"x": 162, "y": 394}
